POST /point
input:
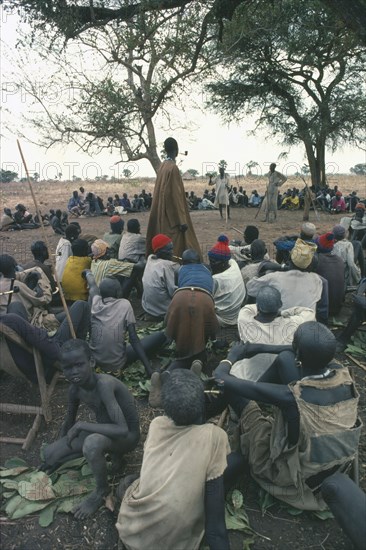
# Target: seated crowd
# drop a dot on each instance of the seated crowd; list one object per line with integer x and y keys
{"x": 279, "y": 306}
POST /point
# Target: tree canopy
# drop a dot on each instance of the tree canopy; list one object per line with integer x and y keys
{"x": 6, "y": 176}
{"x": 359, "y": 169}
{"x": 301, "y": 70}
{"x": 149, "y": 48}
{"x": 122, "y": 78}
{"x": 73, "y": 17}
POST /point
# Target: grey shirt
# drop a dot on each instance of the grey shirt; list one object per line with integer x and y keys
{"x": 109, "y": 321}
{"x": 159, "y": 285}
{"x": 132, "y": 247}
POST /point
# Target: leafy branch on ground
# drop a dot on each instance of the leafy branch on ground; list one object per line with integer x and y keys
{"x": 26, "y": 491}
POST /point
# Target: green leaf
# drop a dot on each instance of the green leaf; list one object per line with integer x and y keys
{"x": 248, "y": 542}
{"x": 66, "y": 486}
{"x": 12, "y": 505}
{"x": 68, "y": 504}
{"x": 38, "y": 488}
{"x": 237, "y": 499}
{"x": 236, "y": 523}
{"x": 145, "y": 386}
{"x": 293, "y": 511}
{"x": 9, "y": 484}
{"x": 26, "y": 507}
{"x": 354, "y": 350}
{"x": 72, "y": 464}
{"x": 13, "y": 471}
{"x": 86, "y": 470}
{"x": 265, "y": 500}
{"x": 47, "y": 514}
{"x": 323, "y": 514}
{"x": 9, "y": 494}
{"x": 15, "y": 463}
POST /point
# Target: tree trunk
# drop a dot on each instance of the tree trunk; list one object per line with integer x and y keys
{"x": 312, "y": 161}
{"x": 320, "y": 158}
{"x": 316, "y": 161}
{"x": 152, "y": 152}
{"x": 307, "y": 202}
{"x": 154, "y": 159}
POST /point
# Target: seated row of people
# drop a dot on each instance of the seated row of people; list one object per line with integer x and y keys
{"x": 19, "y": 220}
{"x": 83, "y": 203}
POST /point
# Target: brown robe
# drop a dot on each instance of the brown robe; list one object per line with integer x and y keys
{"x": 169, "y": 210}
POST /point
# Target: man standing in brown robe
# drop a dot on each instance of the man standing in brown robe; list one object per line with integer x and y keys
{"x": 169, "y": 212}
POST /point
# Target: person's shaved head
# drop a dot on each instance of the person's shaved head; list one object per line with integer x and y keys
{"x": 171, "y": 147}
{"x": 183, "y": 398}
{"x": 190, "y": 256}
{"x": 110, "y": 288}
{"x": 315, "y": 344}
{"x": 7, "y": 266}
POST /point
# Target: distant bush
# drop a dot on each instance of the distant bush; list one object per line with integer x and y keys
{"x": 6, "y": 176}
{"x": 359, "y": 169}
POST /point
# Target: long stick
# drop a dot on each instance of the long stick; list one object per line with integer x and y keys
{"x": 237, "y": 230}
{"x": 355, "y": 361}
{"x": 72, "y": 331}
{"x": 311, "y": 198}
{"x": 261, "y": 204}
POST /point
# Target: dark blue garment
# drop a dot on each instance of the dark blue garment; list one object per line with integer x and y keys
{"x": 195, "y": 275}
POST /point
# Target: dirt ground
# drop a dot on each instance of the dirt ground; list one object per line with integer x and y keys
{"x": 283, "y": 530}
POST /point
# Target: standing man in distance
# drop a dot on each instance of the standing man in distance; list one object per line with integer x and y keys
{"x": 169, "y": 211}
{"x": 222, "y": 191}
{"x": 275, "y": 180}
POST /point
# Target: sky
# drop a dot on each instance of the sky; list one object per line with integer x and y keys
{"x": 207, "y": 141}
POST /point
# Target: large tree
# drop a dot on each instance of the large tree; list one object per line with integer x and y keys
{"x": 122, "y": 78}
{"x": 73, "y": 17}
{"x": 300, "y": 71}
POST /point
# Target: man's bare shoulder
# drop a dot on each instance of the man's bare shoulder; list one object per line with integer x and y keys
{"x": 106, "y": 383}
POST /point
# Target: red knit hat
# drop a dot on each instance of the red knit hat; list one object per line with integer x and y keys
{"x": 115, "y": 219}
{"x": 325, "y": 242}
{"x": 338, "y": 194}
{"x": 221, "y": 251}
{"x": 159, "y": 241}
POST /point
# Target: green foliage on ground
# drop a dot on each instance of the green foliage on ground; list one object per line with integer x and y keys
{"x": 27, "y": 491}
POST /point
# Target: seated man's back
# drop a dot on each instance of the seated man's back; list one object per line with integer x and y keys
{"x": 159, "y": 277}
{"x": 159, "y": 285}
{"x": 279, "y": 331}
{"x": 109, "y": 320}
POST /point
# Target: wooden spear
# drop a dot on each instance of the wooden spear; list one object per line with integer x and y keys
{"x": 311, "y": 199}
{"x": 72, "y": 330}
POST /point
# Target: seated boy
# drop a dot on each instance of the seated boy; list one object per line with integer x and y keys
{"x": 115, "y": 431}
{"x": 179, "y": 496}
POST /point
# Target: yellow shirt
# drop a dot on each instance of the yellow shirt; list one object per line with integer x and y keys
{"x": 73, "y": 284}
